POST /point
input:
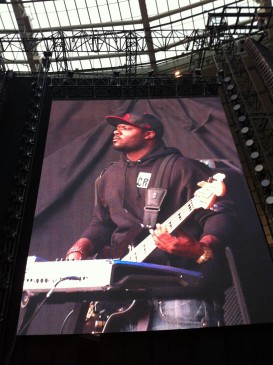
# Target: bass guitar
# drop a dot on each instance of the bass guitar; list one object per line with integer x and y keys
{"x": 98, "y": 318}
{"x": 203, "y": 198}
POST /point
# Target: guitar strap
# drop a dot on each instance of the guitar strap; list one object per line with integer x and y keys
{"x": 153, "y": 200}
{"x": 155, "y": 195}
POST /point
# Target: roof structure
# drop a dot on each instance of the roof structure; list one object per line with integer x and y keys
{"x": 125, "y": 36}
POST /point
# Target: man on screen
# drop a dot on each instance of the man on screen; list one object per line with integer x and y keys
{"x": 197, "y": 243}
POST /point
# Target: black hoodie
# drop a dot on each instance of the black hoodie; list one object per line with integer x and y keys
{"x": 121, "y": 200}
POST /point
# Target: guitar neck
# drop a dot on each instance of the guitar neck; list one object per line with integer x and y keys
{"x": 147, "y": 246}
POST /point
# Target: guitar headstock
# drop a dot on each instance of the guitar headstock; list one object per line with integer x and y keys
{"x": 209, "y": 191}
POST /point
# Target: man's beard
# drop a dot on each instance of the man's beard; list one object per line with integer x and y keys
{"x": 123, "y": 148}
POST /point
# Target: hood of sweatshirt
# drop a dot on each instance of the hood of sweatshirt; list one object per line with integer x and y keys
{"x": 159, "y": 150}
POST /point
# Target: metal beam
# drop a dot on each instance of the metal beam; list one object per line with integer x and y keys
{"x": 25, "y": 30}
{"x": 148, "y": 33}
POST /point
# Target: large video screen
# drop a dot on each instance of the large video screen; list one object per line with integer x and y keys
{"x": 123, "y": 243}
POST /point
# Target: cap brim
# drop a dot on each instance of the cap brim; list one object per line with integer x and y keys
{"x": 114, "y": 121}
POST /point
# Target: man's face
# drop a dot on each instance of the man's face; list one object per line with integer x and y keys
{"x": 128, "y": 138}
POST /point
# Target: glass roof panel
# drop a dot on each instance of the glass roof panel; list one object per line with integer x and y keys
{"x": 5, "y": 20}
{"x": 162, "y": 6}
{"x": 114, "y": 11}
{"x": 134, "y": 9}
{"x": 108, "y": 34}
{"x": 104, "y": 13}
{"x": 94, "y": 14}
{"x": 152, "y": 8}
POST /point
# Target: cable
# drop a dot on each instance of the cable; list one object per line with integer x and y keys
{"x": 65, "y": 320}
{"x": 44, "y": 300}
{"x": 9, "y": 356}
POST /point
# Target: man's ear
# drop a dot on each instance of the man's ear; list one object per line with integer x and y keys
{"x": 149, "y": 135}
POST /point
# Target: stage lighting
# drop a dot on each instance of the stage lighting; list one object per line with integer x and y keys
{"x": 177, "y": 74}
{"x": 46, "y": 60}
{"x": 31, "y": 127}
{"x": 237, "y": 108}
{"x": 34, "y": 84}
{"x": 36, "y": 87}
{"x": 230, "y": 87}
{"x": 115, "y": 80}
{"x": 242, "y": 120}
{"x": 198, "y": 72}
{"x": 234, "y": 97}
{"x": 246, "y": 132}
{"x": 196, "y": 75}
{"x": 35, "y": 104}
{"x": 269, "y": 202}
{"x": 37, "y": 93}
{"x": 262, "y": 176}
{"x": 249, "y": 143}
{"x": 17, "y": 197}
{"x": 227, "y": 79}
{"x": 10, "y": 74}
{"x": 20, "y": 179}
{"x": 28, "y": 139}
{"x": 259, "y": 169}
{"x": 10, "y": 232}
{"x": 33, "y": 115}
{"x": 26, "y": 151}
{"x": 269, "y": 205}
{"x": 255, "y": 156}
{"x": 48, "y": 54}
{"x": 266, "y": 185}
{"x": 149, "y": 81}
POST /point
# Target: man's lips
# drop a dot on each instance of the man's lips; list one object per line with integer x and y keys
{"x": 116, "y": 139}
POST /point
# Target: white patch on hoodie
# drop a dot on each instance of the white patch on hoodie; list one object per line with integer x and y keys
{"x": 143, "y": 179}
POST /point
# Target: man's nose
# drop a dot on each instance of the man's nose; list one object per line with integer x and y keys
{"x": 117, "y": 131}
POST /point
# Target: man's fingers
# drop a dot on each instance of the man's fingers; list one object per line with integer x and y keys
{"x": 160, "y": 228}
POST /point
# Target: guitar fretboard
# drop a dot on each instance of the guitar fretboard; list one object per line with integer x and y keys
{"x": 146, "y": 247}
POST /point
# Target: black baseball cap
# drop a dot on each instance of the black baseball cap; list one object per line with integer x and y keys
{"x": 144, "y": 121}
